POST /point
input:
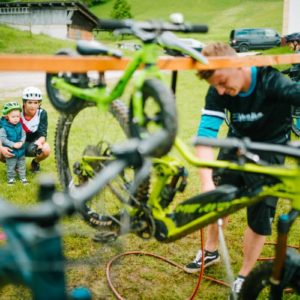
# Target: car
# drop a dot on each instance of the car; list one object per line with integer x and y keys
{"x": 292, "y": 37}
{"x": 245, "y": 39}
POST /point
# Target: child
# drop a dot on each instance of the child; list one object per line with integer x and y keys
{"x": 12, "y": 135}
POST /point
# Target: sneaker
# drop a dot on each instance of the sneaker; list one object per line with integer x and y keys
{"x": 11, "y": 181}
{"x": 35, "y": 166}
{"x": 210, "y": 258}
{"x": 236, "y": 287}
{"x": 24, "y": 181}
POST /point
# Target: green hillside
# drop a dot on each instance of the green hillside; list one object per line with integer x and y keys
{"x": 220, "y": 15}
{"x": 23, "y": 42}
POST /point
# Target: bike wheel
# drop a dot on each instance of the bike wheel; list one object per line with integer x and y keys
{"x": 159, "y": 111}
{"x": 63, "y": 101}
{"x": 227, "y": 118}
{"x": 257, "y": 285}
{"x": 296, "y": 121}
{"x": 83, "y": 143}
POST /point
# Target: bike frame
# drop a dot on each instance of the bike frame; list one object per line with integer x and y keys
{"x": 195, "y": 213}
{"x": 103, "y": 96}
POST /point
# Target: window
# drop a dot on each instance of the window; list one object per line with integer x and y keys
{"x": 242, "y": 33}
{"x": 270, "y": 33}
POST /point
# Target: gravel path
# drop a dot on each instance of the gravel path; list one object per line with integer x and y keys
{"x": 13, "y": 83}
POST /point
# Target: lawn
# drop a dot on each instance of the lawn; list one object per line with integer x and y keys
{"x": 140, "y": 276}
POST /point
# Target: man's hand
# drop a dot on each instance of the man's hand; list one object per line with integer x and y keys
{"x": 6, "y": 152}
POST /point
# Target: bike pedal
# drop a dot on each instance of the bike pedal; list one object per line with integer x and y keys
{"x": 104, "y": 237}
{"x": 99, "y": 221}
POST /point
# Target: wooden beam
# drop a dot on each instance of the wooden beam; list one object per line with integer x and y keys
{"x": 50, "y": 63}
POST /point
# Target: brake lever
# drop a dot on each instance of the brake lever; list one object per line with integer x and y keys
{"x": 244, "y": 156}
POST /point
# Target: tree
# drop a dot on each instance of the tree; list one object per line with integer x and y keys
{"x": 121, "y": 10}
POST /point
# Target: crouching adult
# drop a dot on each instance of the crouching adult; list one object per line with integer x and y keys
{"x": 34, "y": 121}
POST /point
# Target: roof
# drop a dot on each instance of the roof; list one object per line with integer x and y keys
{"x": 74, "y": 4}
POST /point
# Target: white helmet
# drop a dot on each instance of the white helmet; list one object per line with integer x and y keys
{"x": 32, "y": 93}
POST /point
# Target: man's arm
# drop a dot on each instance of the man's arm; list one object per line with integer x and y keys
{"x": 206, "y": 181}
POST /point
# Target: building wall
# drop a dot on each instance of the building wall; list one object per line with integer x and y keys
{"x": 35, "y": 17}
{"x": 56, "y": 31}
{"x": 56, "y": 22}
{"x": 78, "y": 34}
{"x": 291, "y": 16}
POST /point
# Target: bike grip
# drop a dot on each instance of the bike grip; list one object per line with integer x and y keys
{"x": 229, "y": 143}
{"x": 112, "y": 24}
{"x": 198, "y": 28}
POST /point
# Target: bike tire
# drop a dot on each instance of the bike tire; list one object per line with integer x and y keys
{"x": 295, "y": 130}
{"x": 68, "y": 130}
{"x": 159, "y": 111}
{"x": 257, "y": 283}
{"x": 295, "y": 118}
{"x": 227, "y": 118}
{"x": 62, "y": 101}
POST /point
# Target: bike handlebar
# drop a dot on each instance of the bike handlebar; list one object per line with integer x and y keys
{"x": 246, "y": 144}
{"x": 113, "y": 24}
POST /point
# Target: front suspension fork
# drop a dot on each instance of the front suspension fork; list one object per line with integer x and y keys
{"x": 283, "y": 227}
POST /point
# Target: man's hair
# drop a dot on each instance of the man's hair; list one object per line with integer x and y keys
{"x": 215, "y": 49}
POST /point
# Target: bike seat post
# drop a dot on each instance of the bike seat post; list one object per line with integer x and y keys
{"x": 46, "y": 187}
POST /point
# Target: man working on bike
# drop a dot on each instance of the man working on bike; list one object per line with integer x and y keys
{"x": 259, "y": 101}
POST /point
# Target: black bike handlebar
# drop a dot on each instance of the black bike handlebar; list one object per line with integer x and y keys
{"x": 113, "y": 24}
{"x": 246, "y": 144}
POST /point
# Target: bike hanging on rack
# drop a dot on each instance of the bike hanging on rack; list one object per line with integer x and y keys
{"x": 167, "y": 221}
{"x": 85, "y": 133}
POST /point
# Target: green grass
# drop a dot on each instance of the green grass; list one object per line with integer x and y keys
{"x": 143, "y": 277}
{"x": 220, "y": 15}
{"x": 23, "y": 42}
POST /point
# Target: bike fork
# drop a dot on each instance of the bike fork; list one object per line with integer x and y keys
{"x": 283, "y": 227}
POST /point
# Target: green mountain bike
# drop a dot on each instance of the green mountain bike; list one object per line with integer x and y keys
{"x": 166, "y": 218}
{"x": 93, "y": 117}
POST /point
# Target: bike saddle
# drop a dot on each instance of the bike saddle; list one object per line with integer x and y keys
{"x": 96, "y": 48}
